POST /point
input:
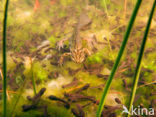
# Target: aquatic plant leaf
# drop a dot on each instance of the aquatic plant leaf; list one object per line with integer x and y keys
{"x": 139, "y": 61}
{"x": 126, "y": 36}
{"x": 5, "y": 58}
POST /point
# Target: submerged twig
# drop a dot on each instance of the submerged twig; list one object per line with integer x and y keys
{"x": 52, "y": 97}
{"x": 79, "y": 97}
{"x": 147, "y": 84}
{"x": 13, "y": 92}
{"x": 2, "y": 80}
{"x": 37, "y": 97}
{"x": 35, "y": 101}
{"x": 85, "y": 87}
{"x": 73, "y": 83}
{"x": 74, "y": 88}
{"x": 28, "y": 107}
{"x": 110, "y": 110}
{"x": 78, "y": 112}
{"x": 98, "y": 87}
{"x": 45, "y": 111}
{"x": 124, "y": 83}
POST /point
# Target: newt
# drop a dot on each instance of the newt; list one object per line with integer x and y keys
{"x": 77, "y": 52}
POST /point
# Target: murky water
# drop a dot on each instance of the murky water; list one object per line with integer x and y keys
{"x": 60, "y": 54}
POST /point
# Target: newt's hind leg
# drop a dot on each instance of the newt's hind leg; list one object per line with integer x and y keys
{"x": 87, "y": 51}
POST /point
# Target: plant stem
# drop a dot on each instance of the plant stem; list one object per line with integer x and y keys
{"x": 21, "y": 90}
{"x": 105, "y": 6}
{"x": 111, "y": 52}
{"x": 32, "y": 75}
{"x": 141, "y": 53}
{"x": 125, "y": 9}
{"x": 4, "y": 58}
{"x": 126, "y": 36}
{"x": 1, "y": 74}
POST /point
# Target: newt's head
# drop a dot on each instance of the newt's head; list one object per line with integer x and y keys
{"x": 84, "y": 22}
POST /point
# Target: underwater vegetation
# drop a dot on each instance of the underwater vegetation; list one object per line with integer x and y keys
{"x": 77, "y": 58}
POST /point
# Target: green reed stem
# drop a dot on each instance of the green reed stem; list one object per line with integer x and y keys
{"x": 4, "y": 58}
{"x": 105, "y": 5}
{"x": 21, "y": 91}
{"x": 32, "y": 75}
{"x": 139, "y": 61}
{"x": 126, "y": 36}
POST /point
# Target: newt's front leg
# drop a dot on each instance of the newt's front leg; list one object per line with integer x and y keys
{"x": 62, "y": 58}
{"x": 60, "y": 44}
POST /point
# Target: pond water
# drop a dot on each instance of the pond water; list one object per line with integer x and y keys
{"x": 60, "y": 54}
